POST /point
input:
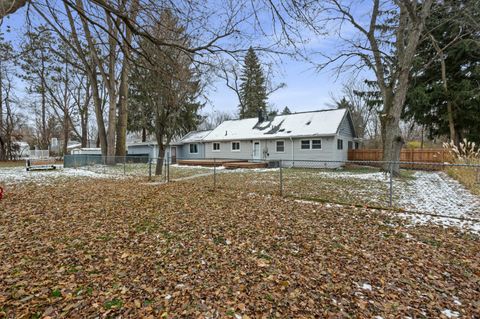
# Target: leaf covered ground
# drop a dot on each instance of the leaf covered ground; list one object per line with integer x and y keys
{"x": 124, "y": 248}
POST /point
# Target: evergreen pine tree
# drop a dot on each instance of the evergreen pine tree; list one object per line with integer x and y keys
{"x": 253, "y": 92}
{"x": 428, "y": 96}
{"x": 286, "y": 111}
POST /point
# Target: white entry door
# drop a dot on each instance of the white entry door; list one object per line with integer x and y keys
{"x": 256, "y": 151}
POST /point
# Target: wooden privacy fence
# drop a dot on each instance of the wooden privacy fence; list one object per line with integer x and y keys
{"x": 425, "y": 155}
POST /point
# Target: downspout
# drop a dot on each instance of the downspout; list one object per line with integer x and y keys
{"x": 293, "y": 153}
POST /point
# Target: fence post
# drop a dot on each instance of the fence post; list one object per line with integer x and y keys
{"x": 281, "y": 179}
{"x": 214, "y": 174}
{"x": 391, "y": 185}
{"x": 104, "y": 164}
{"x": 124, "y": 163}
{"x": 168, "y": 168}
{"x": 149, "y": 169}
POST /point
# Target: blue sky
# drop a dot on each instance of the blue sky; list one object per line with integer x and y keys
{"x": 306, "y": 89}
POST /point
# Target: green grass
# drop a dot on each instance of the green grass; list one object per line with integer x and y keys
{"x": 56, "y": 293}
{"x": 114, "y": 303}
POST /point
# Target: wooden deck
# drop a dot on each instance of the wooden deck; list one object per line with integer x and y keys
{"x": 233, "y": 165}
{"x": 227, "y": 163}
{"x": 206, "y": 162}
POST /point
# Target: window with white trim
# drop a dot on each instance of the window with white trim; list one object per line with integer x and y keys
{"x": 193, "y": 148}
{"x": 316, "y": 144}
{"x": 280, "y": 146}
{"x": 339, "y": 144}
{"x": 236, "y": 146}
{"x": 216, "y": 147}
{"x": 305, "y": 144}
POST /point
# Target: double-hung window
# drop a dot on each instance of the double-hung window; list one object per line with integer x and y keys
{"x": 305, "y": 144}
{"x": 236, "y": 146}
{"x": 280, "y": 146}
{"x": 216, "y": 147}
{"x": 316, "y": 144}
{"x": 339, "y": 144}
{"x": 193, "y": 148}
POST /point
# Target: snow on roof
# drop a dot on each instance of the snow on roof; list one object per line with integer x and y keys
{"x": 134, "y": 144}
{"x": 76, "y": 145}
{"x": 192, "y": 137}
{"x": 316, "y": 123}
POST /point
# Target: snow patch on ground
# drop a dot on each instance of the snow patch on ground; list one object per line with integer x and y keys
{"x": 436, "y": 192}
{"x": 377, "y": 176}
{"x": 450, "y": 314}
{"x": 15, "y": 175}
{"x": 419, "y": 219}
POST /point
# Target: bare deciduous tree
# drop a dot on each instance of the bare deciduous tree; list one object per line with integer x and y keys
{"x": 384, "y": 40}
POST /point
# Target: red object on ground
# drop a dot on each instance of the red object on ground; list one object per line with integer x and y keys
{"x": 1, "y": 193}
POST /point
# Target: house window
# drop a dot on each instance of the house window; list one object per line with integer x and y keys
{"x": 193, "y": 148}
{"x": 216, "y": 146}
{"x": 316, "y": 144}
{"x": 357, "y": 146}
{"x": 280, "y": 146}
{"x": 350, "y": 145}
{"x": 339, "y": 144}
{"x": 305, "y": 145}
{"x": 235, "y": 146}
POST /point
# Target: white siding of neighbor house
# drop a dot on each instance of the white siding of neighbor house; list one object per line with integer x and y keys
{"x": 183, "y": 151}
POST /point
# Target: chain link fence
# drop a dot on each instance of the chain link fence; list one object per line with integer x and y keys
{"x": 445, "y": 189}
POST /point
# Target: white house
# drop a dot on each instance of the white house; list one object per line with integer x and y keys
{"x": 324, "y": 135}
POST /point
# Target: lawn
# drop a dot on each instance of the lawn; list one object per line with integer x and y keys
{"x": 89, "y": 248}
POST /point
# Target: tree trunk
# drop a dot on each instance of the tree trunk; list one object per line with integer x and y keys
{"x": 392, "y": 139}
{"x": 66, "y": 132}
{"x": 91, "y": 69}
{"x": 122, "y": 110}
{"x": 44, "y": 138}
{"x": 123, "y": 89}
{"x": 102, "y": 134}
{"x": 160, "y": 158}
{"x": 443, "y": 67}
{"x": 2, "y": 142}
{"x": 144, "y": 134}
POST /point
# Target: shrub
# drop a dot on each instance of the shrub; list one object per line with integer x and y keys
{"x": 465, "y": 153}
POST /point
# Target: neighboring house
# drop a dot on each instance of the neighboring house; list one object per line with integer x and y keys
{"x": 319, "y": 135}
{"x": 87, "y": 151}
{"x": 143, "y": 149}
{"x": 190, "y": 146}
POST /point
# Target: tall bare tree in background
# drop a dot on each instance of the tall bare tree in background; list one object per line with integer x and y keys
{"x": 385, "y": 41}
{"x": 364, "y": 113}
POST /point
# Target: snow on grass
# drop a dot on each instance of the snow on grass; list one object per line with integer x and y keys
{"x": 450, "y": 314}
{"x": 419, "y": 219}
{"x": 15, "y": 175}
{"x": 436, "y": 192}
{"x": 374, "y": 176}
